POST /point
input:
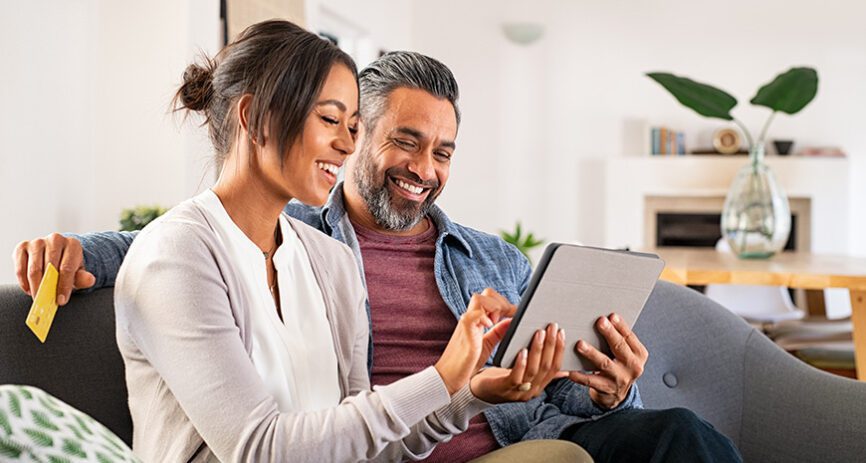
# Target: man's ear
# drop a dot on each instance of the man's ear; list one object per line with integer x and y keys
{"x": 243, "y": 116}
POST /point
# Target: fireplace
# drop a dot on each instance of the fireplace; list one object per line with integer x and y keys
{"x": 695, "y": 221}
{"x": 699, "y": 230}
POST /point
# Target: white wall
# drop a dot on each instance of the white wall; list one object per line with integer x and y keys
{"x": 367, "y": 27}
{"x": 86, "y": 86}
{"x": 541, "y": 120}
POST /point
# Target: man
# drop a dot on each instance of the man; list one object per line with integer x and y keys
{"x": 421, "y": 269}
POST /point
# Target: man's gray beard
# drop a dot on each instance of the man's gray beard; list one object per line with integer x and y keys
{"x": 379, "y": 201}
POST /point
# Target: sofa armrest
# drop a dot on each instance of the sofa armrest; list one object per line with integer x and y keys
{"x": 794, "y": 412}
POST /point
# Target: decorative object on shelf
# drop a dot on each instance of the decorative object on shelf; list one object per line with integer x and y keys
{"x": 523, "y": 33}
{"x": 726, "y": 141}
{"x": 713, "y": 151}
{"x": 823, "y": 152}
{"x": 138, "y": 217}
{"x": 783, "y": 147}
{"x": 756, "y": 218}
{"x": 523, "y": 243}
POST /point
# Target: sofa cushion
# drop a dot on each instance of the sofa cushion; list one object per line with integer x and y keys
{"x": 79, "y": 362}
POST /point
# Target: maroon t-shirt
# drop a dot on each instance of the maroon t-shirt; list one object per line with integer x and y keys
{"x": 411, "y": 323}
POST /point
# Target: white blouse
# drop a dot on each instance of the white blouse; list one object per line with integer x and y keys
{"x": 295, "y": 356}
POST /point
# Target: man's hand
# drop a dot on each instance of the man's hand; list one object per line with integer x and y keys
{"x": 531, "y": 373}
{"x": 32, "y": 257}
{"x": 610, "y": 384}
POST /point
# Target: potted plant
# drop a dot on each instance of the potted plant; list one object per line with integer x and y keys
{"x": 756, "y": 218}
{"x": 523, "y": 243}
{"x": 138, "y": 217}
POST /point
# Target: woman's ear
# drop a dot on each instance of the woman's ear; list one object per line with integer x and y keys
{"x": 243, "y": 116}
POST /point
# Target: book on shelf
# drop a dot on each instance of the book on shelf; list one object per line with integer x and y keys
{"x": 667, "y": 142}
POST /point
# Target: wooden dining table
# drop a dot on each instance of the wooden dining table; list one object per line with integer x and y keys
{"x": 700, "y": 266}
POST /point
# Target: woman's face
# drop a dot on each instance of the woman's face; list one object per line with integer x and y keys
{"x": 309, "y": 171}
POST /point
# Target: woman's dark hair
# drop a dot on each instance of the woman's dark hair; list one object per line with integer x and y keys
{"x": 280, "y": 64}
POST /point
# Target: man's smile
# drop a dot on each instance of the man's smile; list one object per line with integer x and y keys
{"x": 409, "y": 189}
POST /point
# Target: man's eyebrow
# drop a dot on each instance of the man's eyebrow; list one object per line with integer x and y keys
{"x": 415, "y": 133}
{"x": 339, "y": 104}
{"x": 448, "y": 144}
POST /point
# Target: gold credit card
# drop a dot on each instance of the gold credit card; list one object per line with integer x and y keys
{"x": 44, "y": 305}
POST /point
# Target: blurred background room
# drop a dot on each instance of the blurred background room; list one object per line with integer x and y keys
{"x": 558, "y": 113}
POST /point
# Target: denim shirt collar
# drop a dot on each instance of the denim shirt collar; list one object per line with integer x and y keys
{"x": 335, "y": 208}
{"x": 334, "y": 211}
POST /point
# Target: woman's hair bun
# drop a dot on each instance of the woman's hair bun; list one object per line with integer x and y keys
{"x": 197, "y": 89}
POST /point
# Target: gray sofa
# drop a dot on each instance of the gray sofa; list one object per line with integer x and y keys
{"x": 702, "y": 357}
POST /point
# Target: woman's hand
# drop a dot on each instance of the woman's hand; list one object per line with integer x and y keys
{"x": 531, "y": 373}
{"x": 469, "y": 347}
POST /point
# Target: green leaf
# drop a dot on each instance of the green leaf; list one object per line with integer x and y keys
{"x": 531, "y": 243}
{"x": 51, "y": 407}
{"x": 523, "y": 244}
{"x": 4, "y": 422}
{"x": 108, "y": 436}
{"x": 54, "y": 459}
{"x": 116, "y": 454}
{"x": 704, "y": 99}
{"x": 83, "y": 425}
{"x": 73, "y": 448}
{"x": 789, "y": 92}
{"x": 10, "y": 449}
{"x": 39, "y": 438}
{"x": 14, "y": 404}
{"x": 102, "y": 458}
{"x": 27, "y": 395}
{"x": 113, "y": 439}
{"x": 42, "y": 420}
{"x": 75, "y": 431}
{"x": 138, "y": 217}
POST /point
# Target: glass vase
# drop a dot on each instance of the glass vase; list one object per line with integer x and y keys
{"x": 756, "y": 218}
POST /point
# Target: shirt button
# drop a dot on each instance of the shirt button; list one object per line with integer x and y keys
{"x": 670, "y": 380}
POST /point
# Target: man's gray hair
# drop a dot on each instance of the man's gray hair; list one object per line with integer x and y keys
{"x": 399, "y": 69}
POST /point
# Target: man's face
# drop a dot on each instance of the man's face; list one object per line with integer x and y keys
{"x": 402, "y": 164}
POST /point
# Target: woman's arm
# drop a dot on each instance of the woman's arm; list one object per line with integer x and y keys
{"x": 440, "y": 426}
{"x": 436, "y": 427}
{"x": 174, "y": 307}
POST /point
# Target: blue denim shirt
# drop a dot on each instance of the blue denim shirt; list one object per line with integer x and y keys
{"x": 466, "y": 261}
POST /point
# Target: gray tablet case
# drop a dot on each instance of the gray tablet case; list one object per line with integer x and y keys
{"x": 574, "y": 286}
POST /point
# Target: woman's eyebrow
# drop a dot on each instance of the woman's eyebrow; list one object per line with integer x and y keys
{"x": 339, "y": 104}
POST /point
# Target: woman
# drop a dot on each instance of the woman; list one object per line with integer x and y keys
{"x": 243, "y": 331}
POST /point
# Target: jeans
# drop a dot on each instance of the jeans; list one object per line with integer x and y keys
{"x": 671, "y": 435}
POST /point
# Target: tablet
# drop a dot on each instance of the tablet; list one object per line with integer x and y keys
{"x": 574, "y": 286}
